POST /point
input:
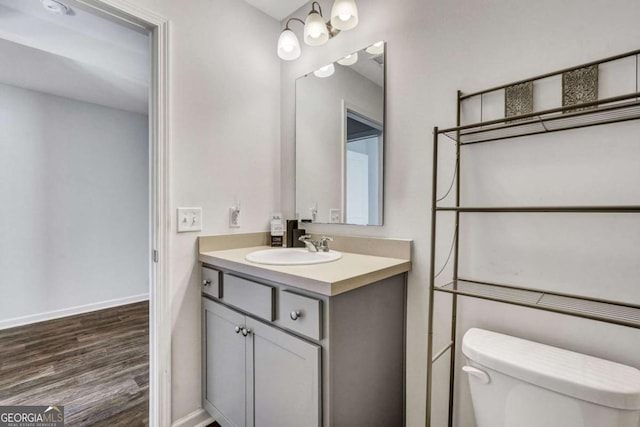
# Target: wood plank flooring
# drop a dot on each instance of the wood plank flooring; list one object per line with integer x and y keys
{"x": 95, "y": 364}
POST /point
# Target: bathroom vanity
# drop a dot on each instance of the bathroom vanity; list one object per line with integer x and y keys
{"x": 307, "y": 345}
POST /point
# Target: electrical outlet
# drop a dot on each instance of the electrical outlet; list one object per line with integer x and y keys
{"x": 334, "y": 216}
{"x": 189, "y": 219}
{"x": 234, "y": 217}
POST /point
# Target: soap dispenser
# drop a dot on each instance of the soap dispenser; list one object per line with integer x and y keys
{"x": 277, "y": 229}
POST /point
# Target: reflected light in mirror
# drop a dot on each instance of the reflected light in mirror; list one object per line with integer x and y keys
{"x": 349, "y": 59}
{"x": 376, "y": 48}
{"x": 325, "y": 71}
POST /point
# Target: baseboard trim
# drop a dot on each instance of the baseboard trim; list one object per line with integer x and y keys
{"x": 198, "y": 418}
{"x": 56, "y": 314}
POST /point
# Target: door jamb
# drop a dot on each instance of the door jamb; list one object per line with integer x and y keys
{"x": 159, "y": 149}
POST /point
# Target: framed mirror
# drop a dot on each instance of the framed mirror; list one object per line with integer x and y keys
{"x": 340, "y": 140}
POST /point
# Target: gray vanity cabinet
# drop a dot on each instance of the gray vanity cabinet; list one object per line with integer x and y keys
{"x": 276, "y": 355}
{"x": 257, "y": 375}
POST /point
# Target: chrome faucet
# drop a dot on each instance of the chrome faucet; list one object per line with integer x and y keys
{"x": 321, "y": 245}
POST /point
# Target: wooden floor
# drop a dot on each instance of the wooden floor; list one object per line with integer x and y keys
{"x": 95, "y": 364}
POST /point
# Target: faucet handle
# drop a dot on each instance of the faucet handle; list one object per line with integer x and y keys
{"x": 324, "y": 243}
{"x": 312, "y": 245}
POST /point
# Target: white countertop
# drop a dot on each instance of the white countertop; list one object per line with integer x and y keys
{"x": 332, "y": 278}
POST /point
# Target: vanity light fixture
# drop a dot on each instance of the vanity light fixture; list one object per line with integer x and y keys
{"x": 349, "y": 59}
{"x": 344, "y": 16}
{"x": 325, "y": 71}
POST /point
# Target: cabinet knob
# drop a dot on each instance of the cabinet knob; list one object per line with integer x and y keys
{"x": 237, "y": 329}
{"x": 206, "y": 282}
{"x": 246, "y": 331}
{"x": 295, "y": 315}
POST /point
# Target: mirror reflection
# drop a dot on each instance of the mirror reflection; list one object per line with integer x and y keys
{"x": 340, "y": 140}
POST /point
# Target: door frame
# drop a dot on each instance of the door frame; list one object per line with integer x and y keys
{"x": 159, "y": 199}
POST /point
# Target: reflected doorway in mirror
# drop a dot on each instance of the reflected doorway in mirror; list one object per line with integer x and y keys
{"x": 363, "y": 148}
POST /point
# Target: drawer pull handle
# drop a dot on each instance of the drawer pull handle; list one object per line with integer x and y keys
{"x": 246, "y": 331}
{"x": 295, "y": 315}
{"x": 206, "y": 282}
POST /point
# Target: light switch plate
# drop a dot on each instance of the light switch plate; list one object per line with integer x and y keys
{"x": 189, "y": 219}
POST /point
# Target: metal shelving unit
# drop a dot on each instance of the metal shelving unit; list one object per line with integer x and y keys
{"x": 604, "y": 111}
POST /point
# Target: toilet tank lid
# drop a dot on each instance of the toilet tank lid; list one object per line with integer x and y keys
{"x": 573, "y": 374}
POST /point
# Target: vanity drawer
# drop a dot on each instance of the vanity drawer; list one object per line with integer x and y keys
{"x": 252, "y": 297}
{"x": 301, "y": 314}
{"x": 210, "y": 282}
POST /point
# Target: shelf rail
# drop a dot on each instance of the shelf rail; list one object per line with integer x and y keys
{"x": 616, "y": 312}
{"x": 554, "y": 73}
{"x": 610, "y": 110}
{"x": 542, "y": 209}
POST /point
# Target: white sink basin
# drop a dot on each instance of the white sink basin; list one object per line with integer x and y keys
{"x": 291, "y": 256}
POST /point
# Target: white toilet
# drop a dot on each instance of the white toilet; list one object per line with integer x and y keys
{"x": 520, "y": 383}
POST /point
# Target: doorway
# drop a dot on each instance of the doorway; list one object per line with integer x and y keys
{"x": 157, "y": 246}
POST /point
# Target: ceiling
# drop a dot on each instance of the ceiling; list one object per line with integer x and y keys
{"x": 278, "y": 9}
{"x": 79, "y": 56}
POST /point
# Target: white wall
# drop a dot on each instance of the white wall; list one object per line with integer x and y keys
{"x": 225, "y": 129}
{"x": 319, "y": 128}
{"x": 74, "y": 212}
{"x": 433, "y": 49}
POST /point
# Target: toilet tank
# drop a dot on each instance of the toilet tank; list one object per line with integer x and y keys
{"x": 520, "y": 383}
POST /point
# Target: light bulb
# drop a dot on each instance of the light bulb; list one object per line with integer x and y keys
{"x": 316, "y": 32}
{"x": 344, "y": 14}
{"x": 288, "y": 46}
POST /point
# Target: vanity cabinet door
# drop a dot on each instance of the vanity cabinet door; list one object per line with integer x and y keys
{"x": 286, "y": 377}
{"x": 224, "y": 363}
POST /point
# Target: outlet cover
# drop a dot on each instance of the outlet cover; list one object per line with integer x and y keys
{"x": 334, "y": 216}
{"x": 234, "y": 218}
{"x": 189, "y": 219}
